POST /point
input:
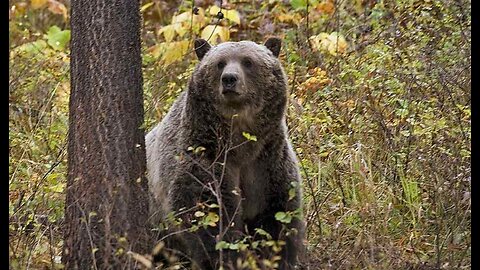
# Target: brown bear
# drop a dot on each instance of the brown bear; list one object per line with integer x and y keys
{"x": 225, "y": 141}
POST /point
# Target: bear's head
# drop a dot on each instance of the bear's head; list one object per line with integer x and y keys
{"x": 240, "y": 77}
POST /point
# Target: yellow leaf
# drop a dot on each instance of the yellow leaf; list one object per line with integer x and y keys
{"x": 358, "y": 6}
{"x": 20, "y": 8}
{"x": 210, "y": 33}
{"x": 57, "y": 8}
{"x": 38, "y": 3}
{"x": 182, "y": 17}
{"x": 182, "y": 21}
{"x": 183, "y": 45}
{"x": 157, "y": 49}
{"x": 174, "y": 51}
{"x": 289, "y": 17}
{"x": 59, "y": 188}
{"x": 180, "y": 29}
{"x": 146, "y": 6}
{"x": 229, "y": 14}
{"x": 315, "y": 42}
{"x": 332, "y": 43}
{"x": 324, "y": 154}
{"x": 171, "y": 56}
{"x": 233, "y": 16}
{"x": 214, "y": 10}
{"x": 200, "y": 19}
{"x": 224, "y": 33}
{"x": 326, "y": 7}
{"x": 338, "y": 44}
{"x": 168, "y": 32}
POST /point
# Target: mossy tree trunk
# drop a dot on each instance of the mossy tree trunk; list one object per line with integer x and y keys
{"x": 106, "y": 202}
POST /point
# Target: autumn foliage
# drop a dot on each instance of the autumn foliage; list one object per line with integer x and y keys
{"x": 379, "y": 114}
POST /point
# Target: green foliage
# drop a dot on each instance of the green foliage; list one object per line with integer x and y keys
{"x": 57, "y": 38}
{"x": 298, "y": 4}
{"x": 379, "y": 115}
{"x": 302, "y": 4}
{"x": 249, "y": 137}
{"x": 284, "y": 217}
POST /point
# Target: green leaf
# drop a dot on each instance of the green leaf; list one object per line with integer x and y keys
{"x": 199, "y": 214}
{"x": 32, "y": 47}
{"x": 194, "y": 228}
{"x": 221, "y": 245}
{"x": 263, "y": 233}
{"x": 210, "y": 220}
{"x": 299, "y": 4}
{"x": 291, "y": 193}
{"x": 213, "y": 205}
{"x": 233, "y": 246}
{"x": 58, "y": 38}
{"x": 249, "y": 137}
{"x": 283, "y": 217}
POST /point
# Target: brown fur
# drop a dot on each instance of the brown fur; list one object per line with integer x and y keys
{"x": 259, "y": 171}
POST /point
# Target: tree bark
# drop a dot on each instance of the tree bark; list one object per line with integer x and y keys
{"x": 107, "y": 193}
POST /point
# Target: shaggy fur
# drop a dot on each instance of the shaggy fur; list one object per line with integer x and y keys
{"x": 258, "y": 172}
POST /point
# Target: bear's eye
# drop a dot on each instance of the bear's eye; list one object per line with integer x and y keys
{"x": 221, "y": 64}
{"x": 247, "y": 62}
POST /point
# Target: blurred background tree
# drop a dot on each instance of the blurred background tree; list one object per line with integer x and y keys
{"x": 379, "y": 113}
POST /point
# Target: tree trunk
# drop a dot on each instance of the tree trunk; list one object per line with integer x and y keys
{"x": 106, "y": 204}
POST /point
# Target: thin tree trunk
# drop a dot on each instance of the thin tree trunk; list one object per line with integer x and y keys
{"x": 107, "y": 203}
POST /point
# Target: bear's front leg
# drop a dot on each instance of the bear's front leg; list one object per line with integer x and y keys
{"x": 283, "y": 176}
{"x": 210, "y": 206}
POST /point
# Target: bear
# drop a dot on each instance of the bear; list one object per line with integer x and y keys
{"x": 224, "y": 143}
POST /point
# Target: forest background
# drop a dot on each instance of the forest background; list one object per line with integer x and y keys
{"x": 379, "y": 115}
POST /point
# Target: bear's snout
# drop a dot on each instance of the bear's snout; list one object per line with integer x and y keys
{"x": 229, "y": 80}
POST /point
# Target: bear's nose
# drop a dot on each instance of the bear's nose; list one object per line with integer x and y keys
{"x": 229, "y": 80}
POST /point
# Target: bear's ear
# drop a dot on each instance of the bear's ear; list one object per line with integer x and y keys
{"x": 201, "y": 47}
{"x": 274, "y": 44}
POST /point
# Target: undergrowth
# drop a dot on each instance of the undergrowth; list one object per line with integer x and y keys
{"x": 379, "y": 114}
